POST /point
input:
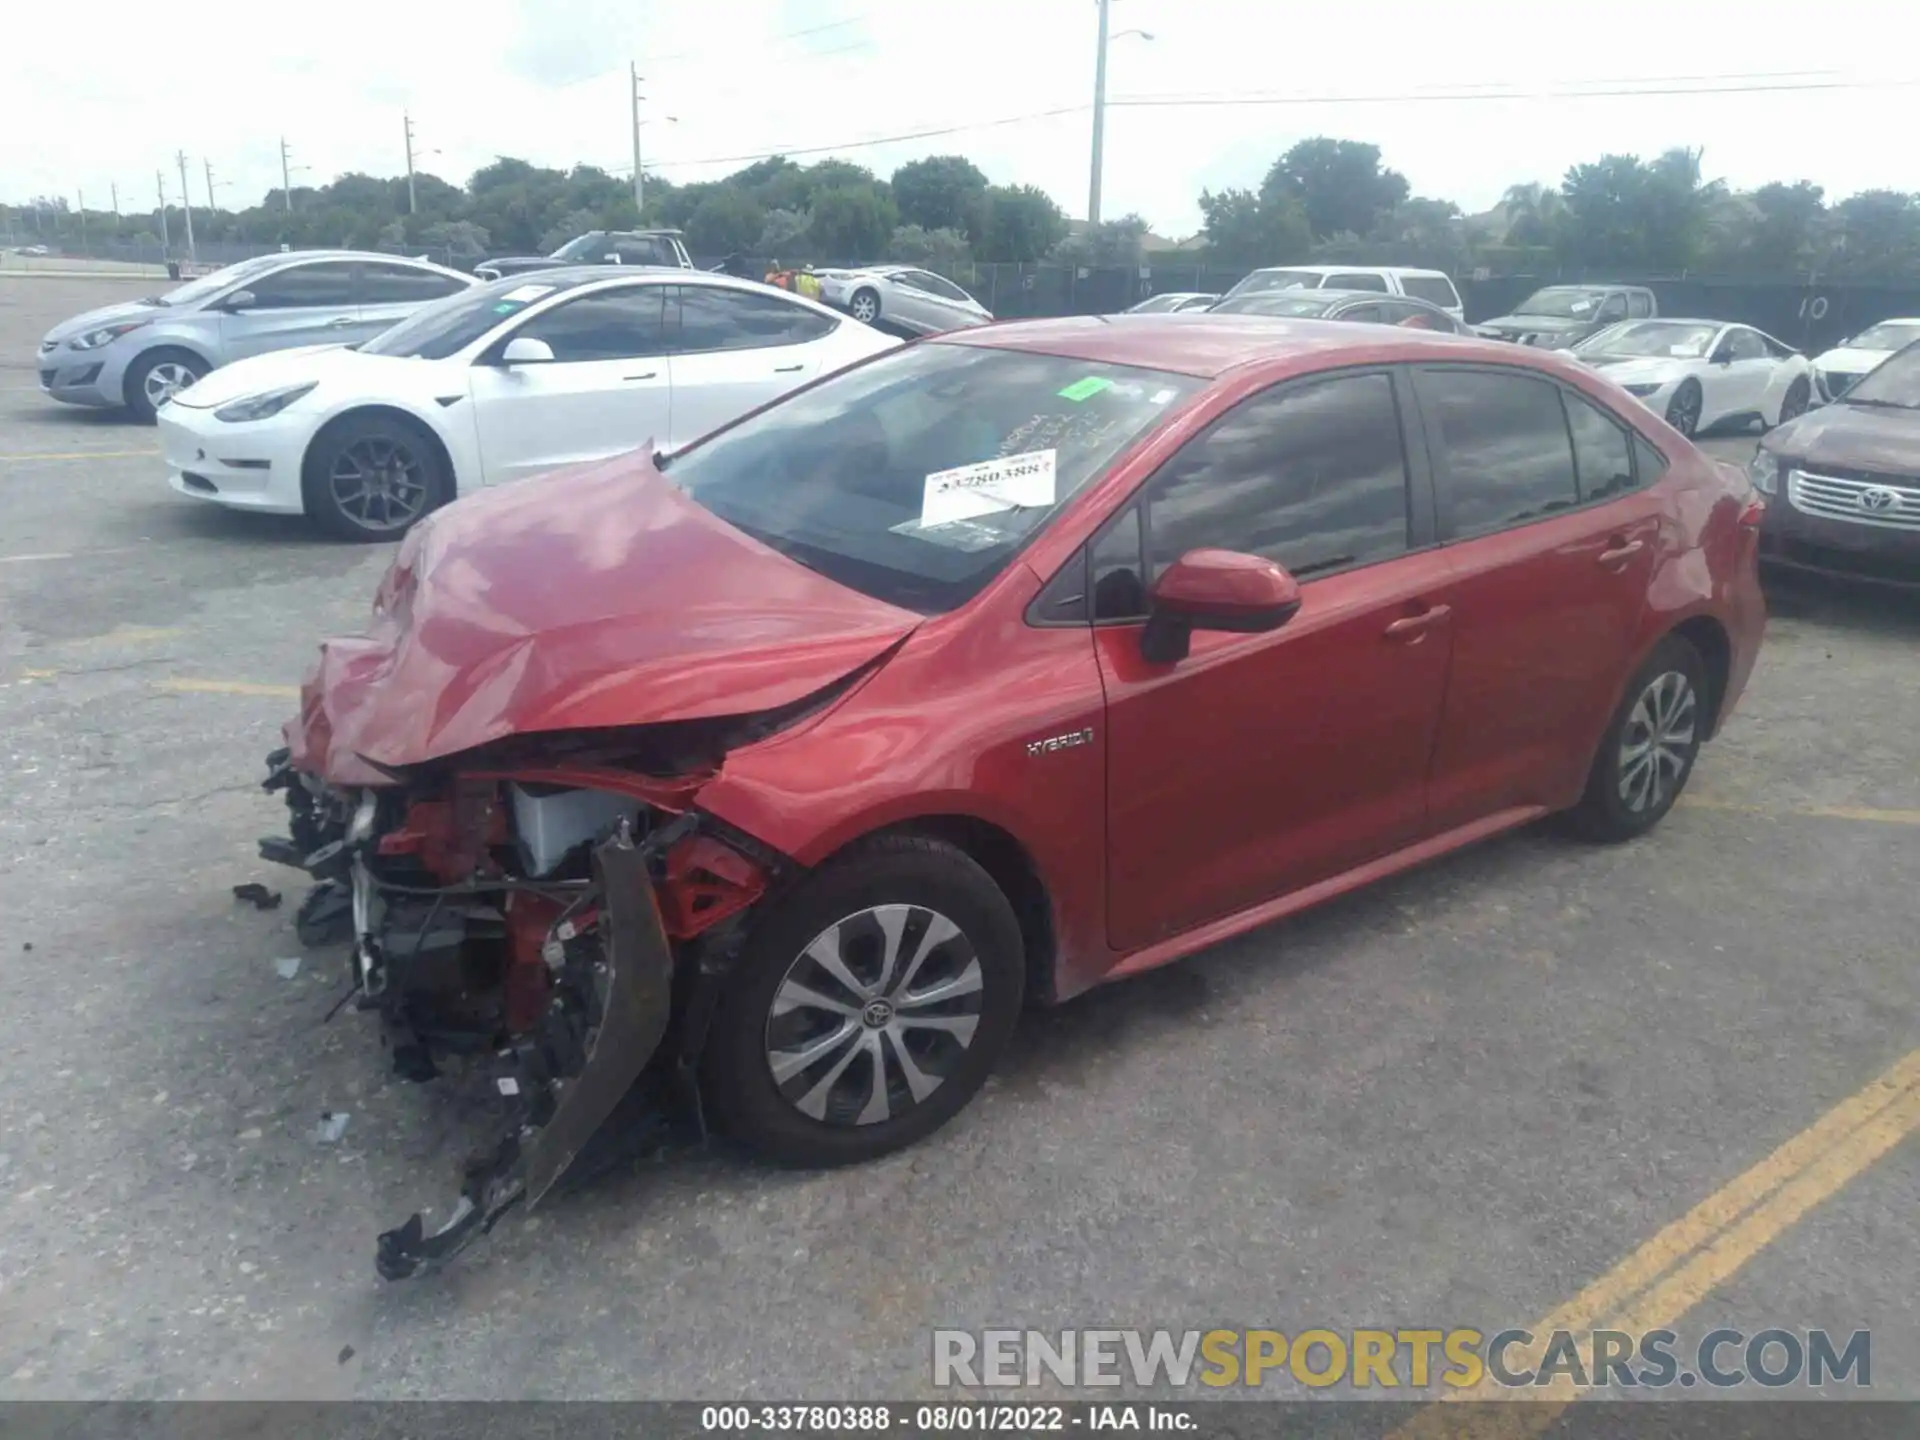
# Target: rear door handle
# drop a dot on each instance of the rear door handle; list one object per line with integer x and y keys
{"x": 338, "y": 321}
{"x": 788, "y": 369}
{"x": 1617, "y": 555}
{"x": 1412, "y": 627}
{"x": 646, "y": 375}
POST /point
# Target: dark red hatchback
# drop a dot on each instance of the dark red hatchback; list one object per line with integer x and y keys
{"x": 993, "y": 668}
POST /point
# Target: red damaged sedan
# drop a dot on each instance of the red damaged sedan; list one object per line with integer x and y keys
{"x": 784, "y": 771}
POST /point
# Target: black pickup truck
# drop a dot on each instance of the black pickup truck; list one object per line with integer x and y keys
{"x": 597, "y": 247}
{"x": 1562, "y": 315}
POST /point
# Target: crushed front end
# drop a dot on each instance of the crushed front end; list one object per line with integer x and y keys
{"x": 560, "y": 928}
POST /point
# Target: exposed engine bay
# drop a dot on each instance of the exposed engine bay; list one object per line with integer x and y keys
{"x": 563, "y": 929}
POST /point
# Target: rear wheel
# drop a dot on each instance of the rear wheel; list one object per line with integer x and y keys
{"x": 156, "y": 377}
{"x": 1794, "y": 404}
{"x": 869, "y": 1006}
{"x": 1650, "y": 747}
{"x": 865, "y": 305}
{"x": 372, "y": 477}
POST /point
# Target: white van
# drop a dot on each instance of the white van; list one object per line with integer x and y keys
{"x": 1432, "y": 286}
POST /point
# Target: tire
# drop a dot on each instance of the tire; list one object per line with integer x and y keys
{"x": 865, "y": 305}
{"x": 401, "y": 478}
{"x": 1683, "y": 411}
{"x": 1794, "y": 403}
{"x": 823, "y": 1110}
{"x": 153, "y": 378}
{"x": 1626, "y": 796}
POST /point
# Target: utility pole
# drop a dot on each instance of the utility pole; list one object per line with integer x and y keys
{"x": 639, "y": 178}
{"x": 1099, "y": 114}
{"x": 81, "y": 195}
{"x": 186, "y": 208}
{"x": 413, "y": 202}
{"x": 212, "y": 204}
{"x": 286, "y": 175}
{"x": 113, "y": 190}
{"x": 160, "y": 184}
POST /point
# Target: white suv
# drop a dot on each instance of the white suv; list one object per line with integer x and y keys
{"x": 1432, "y": 286}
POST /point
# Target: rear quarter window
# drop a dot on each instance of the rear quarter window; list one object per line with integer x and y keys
{"x": 1434, "y": 289}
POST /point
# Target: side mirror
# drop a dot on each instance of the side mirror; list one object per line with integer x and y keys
{"x": 525, "y": 350}
{"x": 1215, "y": 590}
{"x": 1721, "y": 356}
{"x": 239, "y": 300}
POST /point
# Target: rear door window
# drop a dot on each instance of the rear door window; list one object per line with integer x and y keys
{"x": 1602, "y": 450}
{"x": 390, "y": 284}
{"x": 1639, "y": 306}
{"x": 323, "y": 285}
{"x": 711, "y": 318}
{"x": 1505, "y": 453}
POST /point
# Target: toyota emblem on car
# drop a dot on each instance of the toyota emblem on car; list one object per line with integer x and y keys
{"x": 1878, "y": 499}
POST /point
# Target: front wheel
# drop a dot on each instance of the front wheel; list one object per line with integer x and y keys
{"x": 869, "y": 1006}
{"x": 1794, "y": 403}
{"x": 1683, "y": 411}
{"x": 157, "y": 377}
{"x": 1650, "y": 746}
{"x": 372, "y": 477}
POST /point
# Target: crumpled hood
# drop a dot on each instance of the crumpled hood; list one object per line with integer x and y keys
{"x": 591, "y": 599}
{"x": 105, "y": 315}
{"x": 1850, "y": 361}
{"x": 1852, "y": 437}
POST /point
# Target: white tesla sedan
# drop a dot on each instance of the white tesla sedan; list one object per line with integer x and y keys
{"x": 500, "y": 382}
{"x": 1701, "y": 373}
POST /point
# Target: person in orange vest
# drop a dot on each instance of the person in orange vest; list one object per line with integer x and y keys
{"x": 808, "y": 283}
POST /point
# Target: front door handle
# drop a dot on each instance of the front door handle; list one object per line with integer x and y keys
{"x": 1412, "y": 627}
{"x": 339, "y": 322}
{"x": 1618, "y": 553}
{"x": 647, "y": 375}
{"x": 788, "y": 369}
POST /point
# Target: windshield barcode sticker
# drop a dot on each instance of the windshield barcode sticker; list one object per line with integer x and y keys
{"x": 1009, "y": 483}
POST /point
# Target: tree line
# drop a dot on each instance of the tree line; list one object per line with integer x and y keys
{"x": 1325, "y": 199}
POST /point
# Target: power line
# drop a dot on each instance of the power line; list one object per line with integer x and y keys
{"x": 770, "y": 43}
{"x": 1201, "y": 101}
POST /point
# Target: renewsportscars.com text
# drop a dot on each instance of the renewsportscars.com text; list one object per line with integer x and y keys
{"x": 1413, "y": 1359}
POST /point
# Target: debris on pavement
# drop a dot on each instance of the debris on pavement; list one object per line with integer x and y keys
{"x": 333, "y": 1124}
{"x": 287, "y": 966}
{"x": 325, "y": 917}
{"x": 257, "y": 895}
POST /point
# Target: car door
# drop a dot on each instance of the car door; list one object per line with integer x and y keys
{"x": 732, "y": 350}
{"x": 1262, "y": 763}
{"x": 1737, "y": 375}
{"x": 918, "y": 305}
{"x": 310, "y": 303}
{"x": 961, "y": 307}
{"x": 391, "y": 290}
{"x": 606, "y": 390}
{"x": 1551, "y": 542}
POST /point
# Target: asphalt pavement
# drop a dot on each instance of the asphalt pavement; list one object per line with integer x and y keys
{"x": 1455, "y": 1100}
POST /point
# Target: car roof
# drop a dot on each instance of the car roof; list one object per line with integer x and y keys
{"x": 1209, "y": 344}
{"x": 1359, "y": 270}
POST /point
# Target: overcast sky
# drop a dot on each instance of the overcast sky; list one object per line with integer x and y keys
{"x": 106, "y": 91}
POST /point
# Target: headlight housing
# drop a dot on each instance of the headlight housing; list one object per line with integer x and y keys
{"x": 1641, "y": 391}
{"x": 264, "y": 405}
{"x": 106, "y": 334}
{"x": 1764, "y": 471}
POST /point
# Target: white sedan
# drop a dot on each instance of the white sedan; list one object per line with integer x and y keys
{"x": 1701, "y": 373}
{"x": 497, "y": 383}
{"x": 1840, "y": 367}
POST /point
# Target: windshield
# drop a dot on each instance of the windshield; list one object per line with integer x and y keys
{"x": 208, "y": 285}
{"x": 1887, "y": 335}
{"x": 916, "y": 477}
{"x": 591, "y": 246}
{"x": 447, "y": 326}
{"x": 1661, "y": 338}
{"x": 1564, "y": 304}
{"x": 1893, "y": 383}
{"x": 1273, "y": 304}
{"x": 1261, "y": 280}
{"x": 1159, "y": 304}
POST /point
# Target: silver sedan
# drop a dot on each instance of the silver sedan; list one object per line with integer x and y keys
{"x": 903, "y": 298}
{"x": 137, "y": 354}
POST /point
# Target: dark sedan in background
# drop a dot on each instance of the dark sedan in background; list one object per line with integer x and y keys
{"x": 1365, "y": 306}
{"x": 597, "y": 247}
{"x": 1843, "y": 482}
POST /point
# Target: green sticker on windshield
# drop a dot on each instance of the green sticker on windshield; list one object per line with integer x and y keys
{"x": 1087, "y": 388}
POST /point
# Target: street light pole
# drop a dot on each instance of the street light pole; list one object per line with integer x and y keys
{"x": 639, "y": 176}
{"x": 286, "y": 176}
{"x": 160, "y": 184}
{"x": 413, "y": 201}
{"x": 186, "y": 208}
{"x": 1099, "y": 114}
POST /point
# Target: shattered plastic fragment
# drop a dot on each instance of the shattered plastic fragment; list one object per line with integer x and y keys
{"x": 287, "y": 967}
{"x": 257, "y": 895}
{"x": 333, "y": 1124}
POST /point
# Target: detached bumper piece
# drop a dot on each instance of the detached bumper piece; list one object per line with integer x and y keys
{"x": 607, "y": 1018}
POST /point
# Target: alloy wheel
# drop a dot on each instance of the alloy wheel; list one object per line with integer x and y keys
{"x": 1657, "y": 744}
{"x": 379, "y": 485}
{"x": 1683, "y": 411}
{"x": 166, "y": 380}
{"x": 874, "y": 1015}
{"x": 1795, "y": 404}
{"x": 865, "y": 307}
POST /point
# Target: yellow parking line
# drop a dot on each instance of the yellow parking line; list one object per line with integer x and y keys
{"x": 1694, "y": 1254}
{"x": 1815, "y": 812}
{"x": 229, "y": 687}
{"x": 83, "y": 455}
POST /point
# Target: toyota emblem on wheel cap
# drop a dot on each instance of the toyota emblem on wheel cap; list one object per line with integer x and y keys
{"x": 1878, "y": 499}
